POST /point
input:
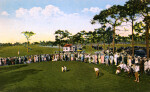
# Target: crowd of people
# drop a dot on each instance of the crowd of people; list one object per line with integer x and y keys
{"x": 122, "y": 60}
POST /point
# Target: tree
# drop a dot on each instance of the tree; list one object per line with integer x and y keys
{"x": 61, "y": 37}
{"x": 28, "y": 34}
{"x": 131, "y": 12}
{"x": 110, "y": 16}
{"x": 143, "y": 7}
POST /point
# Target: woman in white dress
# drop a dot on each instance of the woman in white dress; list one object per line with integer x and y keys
{"x": 115, "y": 58}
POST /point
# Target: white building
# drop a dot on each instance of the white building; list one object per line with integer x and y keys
{"x": 69, "y": 48}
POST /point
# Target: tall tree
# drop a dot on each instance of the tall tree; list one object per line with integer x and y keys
{"x": 61, "y": 37}
{"x": 110, "y": 16}
{"x": 28, "y": 34}
{"x": 144, "y": 8}
{"x": 131, "y": 12}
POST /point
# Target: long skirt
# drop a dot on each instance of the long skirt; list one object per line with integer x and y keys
{"x": 71, "y": 58}
{"x": 99, "y": 59}
{"x": 95, "y": 59}
{"x": 115, "y": 60}
{"x": 102, "y": 59}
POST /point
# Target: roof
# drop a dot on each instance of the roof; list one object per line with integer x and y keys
{"x": 68, "y": 45}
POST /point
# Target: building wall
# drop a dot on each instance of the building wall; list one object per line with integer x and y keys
{"x": 68, "y": 49}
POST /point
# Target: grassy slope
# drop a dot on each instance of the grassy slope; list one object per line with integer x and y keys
{"x": 13, "y": 50}
{"x": 47, "y": 77}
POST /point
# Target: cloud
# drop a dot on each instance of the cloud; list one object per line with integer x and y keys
{"x": 108, "y": 6}
{"x": 51, "y": 10}
{"x": 4, "y": 13}
{"x": 92, "y": 9}
{"x": 21, "y": 12}
{"x": 35, "y": 12}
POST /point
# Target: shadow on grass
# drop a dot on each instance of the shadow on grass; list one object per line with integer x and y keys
{"x": 9, "y": 68}
{"x": 68, "y": 70}
{"x": 101, "y": 74}
{"x": 13, "y": 77}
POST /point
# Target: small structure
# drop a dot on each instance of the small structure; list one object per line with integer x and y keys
{"x": 69, "y": 48}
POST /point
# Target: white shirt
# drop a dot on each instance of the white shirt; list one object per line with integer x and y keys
{"x": 137, "y": 68}
{"x": 116, "y": 56}
{"x": 96, "y": 69}
{"x": 136, "y": 60}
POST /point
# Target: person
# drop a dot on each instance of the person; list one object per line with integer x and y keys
{"x": 111, "y": 58}
{"x": 99, "y": 59}
{"x": 129, "y": 61}
{"x": 102, "y": 57}
{"x": 19, "y": 60}
{"x": 120, "y": 59}
{"x": 66, "y": 57}
{"x": 63, "y": 68}
{"x": 115, "y": 58}
{"x": 136, "y": 60}
{"x": 136, "y": 73}
{"x": 95, "y": 57}
{"x": 82, "y": 58}
{"x": 97, "y": 71}
{"x": 72, "y": 57}
{"x": 106, "y": 59}
{"x": 141, "y": 66}
{"x": 118, "y": 70}
{"x": 149, "y": 64}
{"x": 0, "y": 62}
{"x": 145, "y": 65}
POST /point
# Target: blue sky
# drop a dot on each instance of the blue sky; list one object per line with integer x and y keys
{"x": 44, "y": 17}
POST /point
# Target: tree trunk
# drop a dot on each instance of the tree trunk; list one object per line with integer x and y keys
{"x": 91, "y": 47}
{"x": 114, "y": 39}
{"x": 59, "y": 52}
{"x": 132, "y": 39}
{"x": 97, "y": 46}
{"x": 147, "y": 39}
{"x": 27, "y": 46}
{"x": 104, "y": 45}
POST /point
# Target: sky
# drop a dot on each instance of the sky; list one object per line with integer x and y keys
{"x": 44, "y": 17}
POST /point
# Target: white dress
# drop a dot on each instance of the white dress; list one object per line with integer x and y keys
{"x": 115, "y": 59}
{"x": 129, "y": 62}
{"x": 149, "y": 64}
{"x": 111, "y": 59}
{"x": 146, "y": 66}
{"x": 0, "y": 62}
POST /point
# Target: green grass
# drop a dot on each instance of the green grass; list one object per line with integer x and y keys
{"x": 47, "y": 77}
{"x": 11, "y": 51}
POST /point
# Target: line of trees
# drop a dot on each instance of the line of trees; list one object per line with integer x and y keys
{"x": 110, "y": 19}
{"x": 129, "y": 13}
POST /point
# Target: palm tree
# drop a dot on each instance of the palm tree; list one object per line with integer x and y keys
{"x": 28, "y": 35}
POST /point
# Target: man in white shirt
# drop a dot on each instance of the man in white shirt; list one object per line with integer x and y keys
{"x": 137, "y": 69}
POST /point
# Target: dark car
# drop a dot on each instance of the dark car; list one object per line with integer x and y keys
{"x": 140, "y": 53}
